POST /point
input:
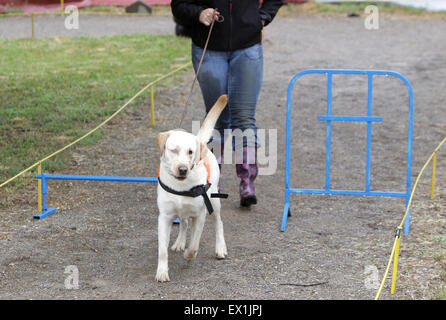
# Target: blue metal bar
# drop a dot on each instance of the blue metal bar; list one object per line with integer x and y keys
{"x": 44, "y": 191}
{"x": 348, "y": 192}
{"x": 45, "y": 213}
{"x": 96, "y": 178}
{"x": 287, "y": 153}
{"x": 350, "y": 118}
{"x": 407, "y": 221}
{"x": 328, "y": 142}
{"x": 285, "y": 216}
{"x": 409, "y": 154}
{"x": 369, "y": 132}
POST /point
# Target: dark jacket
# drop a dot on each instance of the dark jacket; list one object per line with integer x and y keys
{"x": 242, "y": 25}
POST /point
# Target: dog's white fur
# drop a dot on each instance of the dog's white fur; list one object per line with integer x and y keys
{"x": 180, "y": 149}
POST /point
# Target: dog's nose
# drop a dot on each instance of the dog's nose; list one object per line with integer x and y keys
{"x": 182, "y": 170}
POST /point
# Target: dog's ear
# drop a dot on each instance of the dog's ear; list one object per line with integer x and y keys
{"x": 161, "y": 139}
{"x": 202, "y": 151}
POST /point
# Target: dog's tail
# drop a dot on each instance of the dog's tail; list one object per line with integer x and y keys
{"x": 205, "y": 132}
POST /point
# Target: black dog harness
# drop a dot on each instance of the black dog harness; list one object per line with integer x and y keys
{"x": 196, "y": 191}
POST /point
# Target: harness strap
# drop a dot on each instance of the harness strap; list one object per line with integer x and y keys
{"x": 200, "y": 190}
{"x": 194, "y": 192}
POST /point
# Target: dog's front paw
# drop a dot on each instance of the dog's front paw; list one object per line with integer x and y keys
{"x": 179, "y": 245}
{"x": 221, "y": 251}
{"x": 162, "y": 276}
{"x": 190, "y": 255}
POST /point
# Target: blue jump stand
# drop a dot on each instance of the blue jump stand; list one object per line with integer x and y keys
{"x": 329, "y": 118}
{"x": 44, "y": 187}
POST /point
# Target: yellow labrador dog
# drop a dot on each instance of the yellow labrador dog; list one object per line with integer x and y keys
{"x": 188, "y": 175}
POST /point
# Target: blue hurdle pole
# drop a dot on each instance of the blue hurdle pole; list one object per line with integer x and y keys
{"x": 44, "y": 177}
{"x": 95, "y": 178}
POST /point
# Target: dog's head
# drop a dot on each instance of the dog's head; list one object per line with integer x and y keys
{"x": 180, "y": 152}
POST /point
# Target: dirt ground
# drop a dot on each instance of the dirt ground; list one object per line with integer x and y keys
{"x": 108, "y": 230}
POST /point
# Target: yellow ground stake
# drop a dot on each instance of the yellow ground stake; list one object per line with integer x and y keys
{"x": 395, "y": 261}
{"x": 39, "y": 189}
{"x": 32, "y": 26}
{"x": 152, "y": 105}
{"x": 434, "y": 164}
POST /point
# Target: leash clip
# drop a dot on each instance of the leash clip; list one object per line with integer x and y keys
{"x": 218, "y": 17}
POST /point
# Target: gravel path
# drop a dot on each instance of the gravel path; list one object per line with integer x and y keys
{"x": 109, "y": 230}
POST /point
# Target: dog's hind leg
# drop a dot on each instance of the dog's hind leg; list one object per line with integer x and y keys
{"x": 180, "y": 243}
{"x": 197, "y": 229}
{"x": 164, "y": 228}
{"x": 220, "y": 245}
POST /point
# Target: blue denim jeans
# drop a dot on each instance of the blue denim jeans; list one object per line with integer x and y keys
{"x": 239, "y": 75}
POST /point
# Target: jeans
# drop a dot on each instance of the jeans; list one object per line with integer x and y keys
{"x": 239, "y": 75}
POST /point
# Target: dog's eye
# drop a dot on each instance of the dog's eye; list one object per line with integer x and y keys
{"x": 190, "y": 152}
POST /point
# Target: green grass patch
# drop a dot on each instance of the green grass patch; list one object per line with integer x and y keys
{"x": 53, "y": 91}
{"x": 346, "y": 7}
{"x": 157, "y": 10}
{"x": 441, "y": 238}
{"x": 439, "y": 256}
{"x": 440, "y": 294}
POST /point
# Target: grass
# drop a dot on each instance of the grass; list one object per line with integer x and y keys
{"x": 440, "y": 258}
{"x": 347, "y": 7}
{"x": 157, "y": 10}
{"x": 441, "y": 238}
{"x": 54, "y": 90}
{"x": 440, "y": 294}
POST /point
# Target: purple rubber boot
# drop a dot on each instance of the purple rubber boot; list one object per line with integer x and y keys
{"x": 247, "y": 172}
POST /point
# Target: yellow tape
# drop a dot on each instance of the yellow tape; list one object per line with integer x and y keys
{"x": 152, "y": 105}
{"x": 99, "y": 126}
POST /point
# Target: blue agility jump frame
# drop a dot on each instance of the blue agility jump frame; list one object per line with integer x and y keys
{"x": 44, "y": 186}
{"x": 329, "y": 118}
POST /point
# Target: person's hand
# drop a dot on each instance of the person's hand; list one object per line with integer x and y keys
{"x": 207, "y": 15}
